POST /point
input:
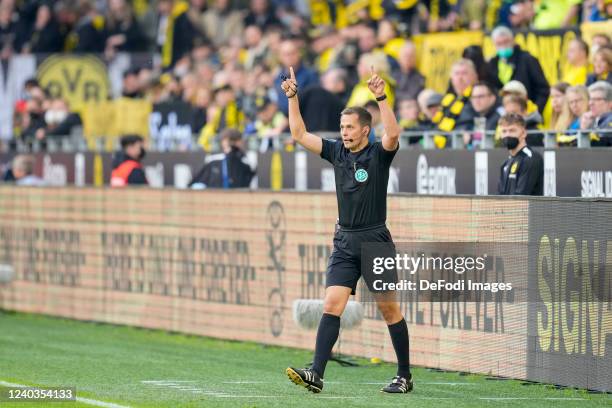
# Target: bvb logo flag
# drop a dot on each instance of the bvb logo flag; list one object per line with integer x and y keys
{"x": 77, "y": 79}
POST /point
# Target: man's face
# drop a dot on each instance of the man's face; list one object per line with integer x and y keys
{"x": 407, "y": 58}
{"x": 351, "y": 131}
{"x": 482, "y": 99}
{"x": 462, "y": 77}
{"x": 598, "y": 104}
{"x": 409, "y": 109}
{"x": 289, "y": 55}
{"x": 512, "y": 107}
{"x": 164, "y": 7}
{"x": 367, "y": 39}
{"x": 267, "y": 114}
{"x": 575, "y": 54}
{"x": 134, "y": 150}
{"x": 503, "y": 41}
{"x": 513, "y": 130}
{"x": 577, "y": 103}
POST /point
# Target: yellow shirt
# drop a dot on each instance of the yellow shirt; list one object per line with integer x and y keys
{"x": 576, "y": 75}
{"x": 361, "y": 95}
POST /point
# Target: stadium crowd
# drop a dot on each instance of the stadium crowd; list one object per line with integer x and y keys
{"x": 226, "y": 60}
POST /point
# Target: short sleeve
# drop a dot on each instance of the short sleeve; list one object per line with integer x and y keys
{"x": 329, "y": 150}
{"x": 386, "y": 156}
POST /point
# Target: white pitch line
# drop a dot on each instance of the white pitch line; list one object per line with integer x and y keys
{"x": 87, "y": 401}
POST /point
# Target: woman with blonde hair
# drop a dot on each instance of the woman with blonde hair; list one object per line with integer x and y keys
{"x": 577, "y": 99}
{"x": 561, "y": 116}
{"x": 578, "y": 102}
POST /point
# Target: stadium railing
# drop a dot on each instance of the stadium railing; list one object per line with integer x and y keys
{"x": 454, "y": 140}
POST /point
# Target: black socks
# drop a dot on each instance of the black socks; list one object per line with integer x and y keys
{"x": 327, "y": 334}
{"x": 399, "y": 337}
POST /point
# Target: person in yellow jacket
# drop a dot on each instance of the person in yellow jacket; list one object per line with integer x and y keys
{"x": 226, "y": 114}
{"x": 376, "y": 61}
{"x": 577, "y": 68}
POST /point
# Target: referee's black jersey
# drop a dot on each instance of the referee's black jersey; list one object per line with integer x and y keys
{"x": 522, "y": 174}
{"x": 361, "y": 182}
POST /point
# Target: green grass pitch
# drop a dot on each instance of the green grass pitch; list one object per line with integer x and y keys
{"x": 147, "y": 368}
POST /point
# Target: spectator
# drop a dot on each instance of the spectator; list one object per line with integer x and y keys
{"x": 474, "y": 53}
{"x": 289, "y": 54}
{"x": 600, "y": 11}
{"x": 512, "y": 63}
{"x": 430, "y": 105}
{"x": 124, "y": 33}
{"x": 561, "y": 115}
{"x": 89, "y": 35}
{"x": 44, "y": 36}
{"x": 577, "y": 69}
{"x": 602, "y": 66}
{"x": 59, "y": 121}
{"x": 457, "y": 110}
{"x": 175, "y": 33}
{"x": 517, "y": 14}
{"x": 518, "y": 105}
{"x": 523, "y": 172}
{"x": 552, "y": 14}
{"x": 578, "y": 102}
{"x": 321, "y": 105}
{"x": 219, "y": 23}
{"x": 227, "y": 170}
{"x": 261, "y": 14}
{"x": 441, "y": 15}
{"x": 127, "y": 167}
{"x": 409, "y": 80}
{"x": 367, "y": 62}
{"x": 473, "y": 14}
{"x": 23, "y": 171}
{"x": 224, "y": 114}
{"x": 408, "y": 113}
{"x": 599, "y": 115}
{"x": 485, "y": 103}
{"x": 269, "y": 125}
{"x": 132, "y": 86}
{"x": 9, "y": 30}
{"x": 598, "y": 41}
{"x": 517, "y": 88}
{"x": 377, "y": 129}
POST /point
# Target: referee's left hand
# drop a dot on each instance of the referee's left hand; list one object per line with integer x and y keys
{"x": 376, "y": 84}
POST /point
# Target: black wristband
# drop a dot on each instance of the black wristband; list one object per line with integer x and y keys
{"x": 381, "y": 98}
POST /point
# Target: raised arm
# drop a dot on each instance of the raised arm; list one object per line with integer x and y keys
{"x": 311, "y": 142}
{"x": 390, "y": 139}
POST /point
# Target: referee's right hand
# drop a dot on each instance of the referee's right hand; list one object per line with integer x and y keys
{"x": 290, "y": 85}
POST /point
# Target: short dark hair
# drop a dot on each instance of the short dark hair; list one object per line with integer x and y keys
{"x": 371, "y": 104}
{"x": 512, "y": 119}
{"x": 492, "y": 89}
{"x": 364, "y": 117}
{"x": 232, "y": 135}
{"x": 129, "y": 140}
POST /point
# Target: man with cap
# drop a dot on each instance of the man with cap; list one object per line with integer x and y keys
{"x": 127, "y": 169}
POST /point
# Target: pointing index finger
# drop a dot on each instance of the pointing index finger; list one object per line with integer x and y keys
{"x": 292, "y": 73}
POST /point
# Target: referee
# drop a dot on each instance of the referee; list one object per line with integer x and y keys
{"x": 362, "y": 173}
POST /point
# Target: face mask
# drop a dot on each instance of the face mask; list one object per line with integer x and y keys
{"x": 54, "y": 117}
{"x": 505, "y": 52}
{"x": 510, "y": 142}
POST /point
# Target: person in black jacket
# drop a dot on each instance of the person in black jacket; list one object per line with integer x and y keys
{"x": 228, "y": 169}
{"x": 127, "y": 168}
{"x": 523, "y": 171}
{"x": 512, "y": 62}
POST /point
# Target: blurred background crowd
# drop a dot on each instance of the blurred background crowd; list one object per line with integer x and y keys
{"x": 222, "y": 59}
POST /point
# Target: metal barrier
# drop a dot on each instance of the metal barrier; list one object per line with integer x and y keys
{"x": 487, "y": 140}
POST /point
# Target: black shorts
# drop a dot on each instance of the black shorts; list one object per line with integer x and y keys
{"x": 345, "y": 262}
